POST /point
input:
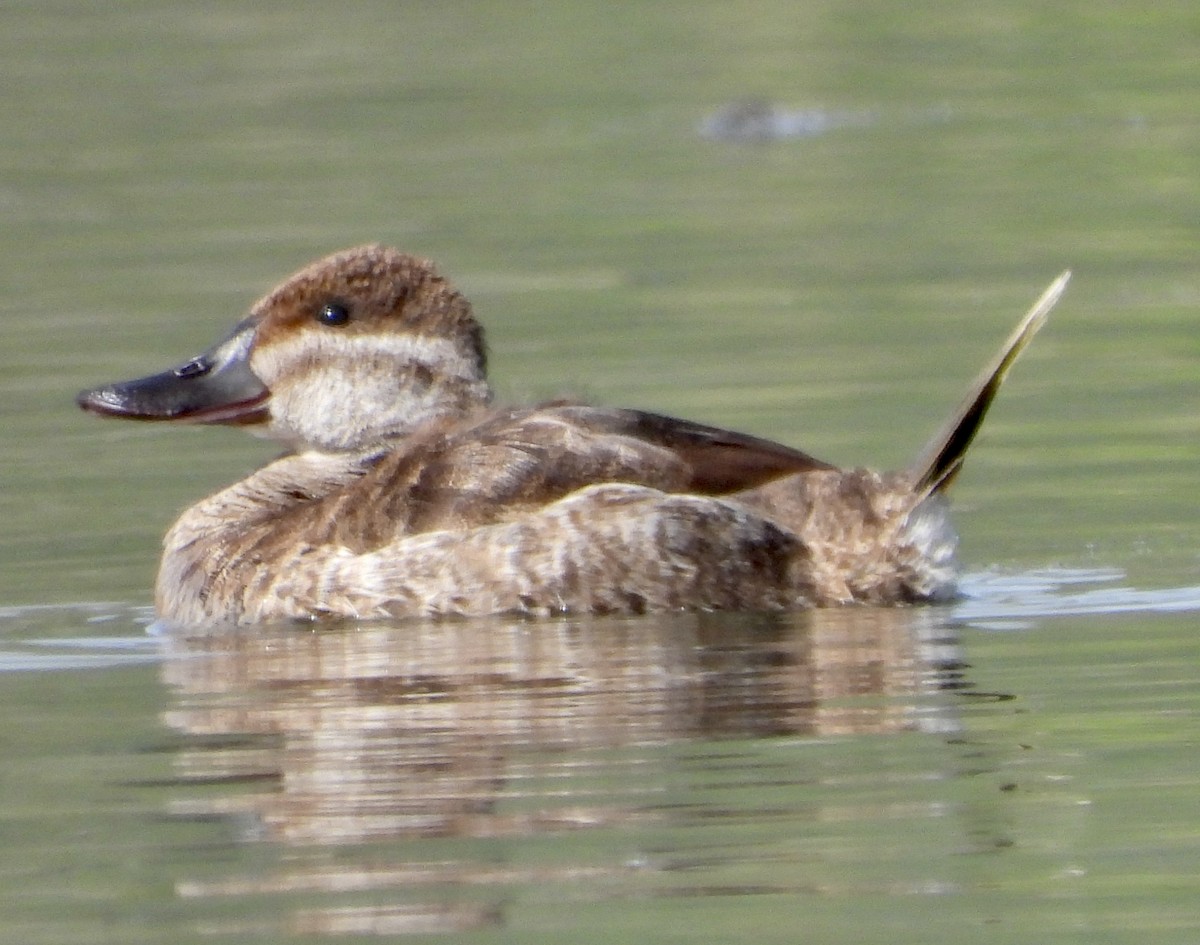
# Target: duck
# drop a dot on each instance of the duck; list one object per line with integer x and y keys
{"x": 405, "y": 491}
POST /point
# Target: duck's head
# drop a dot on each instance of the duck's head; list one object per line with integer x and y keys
{"x": 358, "y": 348}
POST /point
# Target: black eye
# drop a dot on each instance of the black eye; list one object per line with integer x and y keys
{"x": 333, "y": 314}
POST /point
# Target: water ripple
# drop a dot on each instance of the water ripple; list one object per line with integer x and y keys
{"x": 1010, "y": 600}
{"x": 99, "y": 635}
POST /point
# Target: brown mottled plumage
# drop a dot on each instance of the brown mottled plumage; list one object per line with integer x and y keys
{"x": 406, "y": 493}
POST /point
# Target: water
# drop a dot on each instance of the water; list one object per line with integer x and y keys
{"x": 1018, "y": 767}
{"x": 855, "y": 775}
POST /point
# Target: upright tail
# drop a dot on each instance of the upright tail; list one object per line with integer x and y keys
{"x": 942, "y": 458}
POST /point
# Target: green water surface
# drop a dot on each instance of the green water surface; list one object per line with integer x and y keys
{"x": 163, "y": 164}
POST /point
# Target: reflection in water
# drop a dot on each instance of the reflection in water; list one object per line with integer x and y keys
{"x": 484, "y": 729}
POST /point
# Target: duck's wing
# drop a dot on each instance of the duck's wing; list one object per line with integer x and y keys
{"x": 509, "y": 462}
{"x": 720, "y": 461}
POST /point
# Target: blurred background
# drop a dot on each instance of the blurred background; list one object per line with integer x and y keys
{"x": 581, "y": 172}
{"x": 813, "y": 221}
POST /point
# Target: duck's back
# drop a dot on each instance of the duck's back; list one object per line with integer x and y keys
{"x": 506, "y": 464}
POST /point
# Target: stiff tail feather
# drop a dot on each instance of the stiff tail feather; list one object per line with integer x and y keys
{"x": 942, "y": 458}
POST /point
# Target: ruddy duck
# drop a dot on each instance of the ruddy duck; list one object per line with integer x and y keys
{"x": 405, "y": 492}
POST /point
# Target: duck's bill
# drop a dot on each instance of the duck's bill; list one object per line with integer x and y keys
{"x": 215, "y": 387}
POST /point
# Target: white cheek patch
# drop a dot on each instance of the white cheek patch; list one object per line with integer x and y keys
{"x": 337, "y": 391}
{"x": 307, "y": 350}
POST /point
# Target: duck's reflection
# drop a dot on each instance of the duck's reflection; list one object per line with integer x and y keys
{"x": 481, "y": 729}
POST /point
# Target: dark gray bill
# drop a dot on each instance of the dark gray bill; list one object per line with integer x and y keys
{"x": 214, "y": 387}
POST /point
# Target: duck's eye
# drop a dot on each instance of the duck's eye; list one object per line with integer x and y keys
{"x": 333, "y": 314}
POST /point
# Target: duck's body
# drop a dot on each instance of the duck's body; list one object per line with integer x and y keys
{"x": 406, "y": 493}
